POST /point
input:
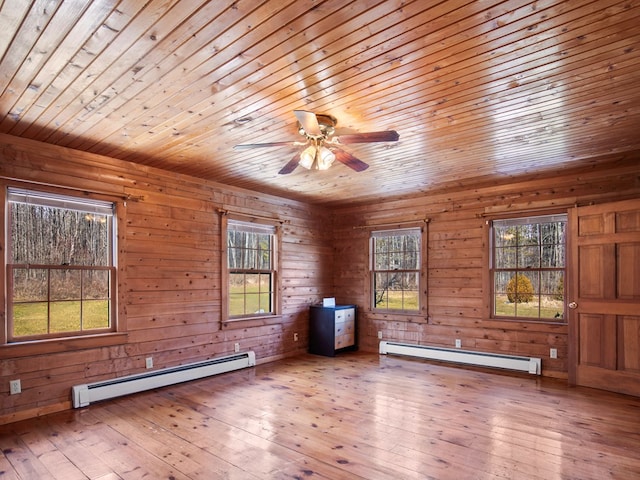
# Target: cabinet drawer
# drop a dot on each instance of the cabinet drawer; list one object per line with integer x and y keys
{"x": 349, "y": 314}
{"x": 345, "y": 340}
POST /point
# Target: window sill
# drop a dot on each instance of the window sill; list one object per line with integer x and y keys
{"x": 530, "y": 320}
{"x": 58, "y": 345}
{"x": 247, "y": 322}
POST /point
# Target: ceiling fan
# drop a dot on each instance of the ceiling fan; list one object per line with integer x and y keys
{"x": 321, "y": 147}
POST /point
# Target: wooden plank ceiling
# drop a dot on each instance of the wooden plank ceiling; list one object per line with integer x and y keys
{"x": 479, "y": 91}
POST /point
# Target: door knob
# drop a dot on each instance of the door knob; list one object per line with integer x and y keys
{"x": 573, "y": 305}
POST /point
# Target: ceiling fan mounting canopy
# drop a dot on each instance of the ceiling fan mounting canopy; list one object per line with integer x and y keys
{"x": 322, "y": 148}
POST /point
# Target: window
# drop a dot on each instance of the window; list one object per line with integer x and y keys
{"x": 395, "y": 266}
{"x": 60, "y": 265}
{"x": 528, "y": 267}
{"x": 251, "y": 269}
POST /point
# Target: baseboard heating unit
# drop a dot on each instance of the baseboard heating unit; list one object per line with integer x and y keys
{"x": 83, "y": 395}
{"x": 468, "y": 357}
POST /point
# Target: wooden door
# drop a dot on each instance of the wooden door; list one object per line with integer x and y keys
{"x": 604, "y": 296}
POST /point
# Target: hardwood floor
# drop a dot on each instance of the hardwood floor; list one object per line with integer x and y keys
{"x": 356, "y": 416}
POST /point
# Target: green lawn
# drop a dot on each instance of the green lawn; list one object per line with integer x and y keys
{"x": 393, "y": 300}
{"x": 548, "y": 310}
{"x": 31, "y": 318}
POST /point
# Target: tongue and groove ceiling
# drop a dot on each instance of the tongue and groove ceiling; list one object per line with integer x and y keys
{"x": 479, "y": 91}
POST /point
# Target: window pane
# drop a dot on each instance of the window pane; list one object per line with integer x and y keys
{"x": 551, "y": 308}
{"x": 30, "y": 284}
{"x": 65, "y": 284}
{"x": 504, "y": 236}
{"x": 502, "y": 305}
{"x": 95, "y": 314}
{"x": 552, "y": 283}
{"x": 395, "y": 260}
{"x": 410, "y": 285}
{"x": 553, "y": 233}
{"x": 505, "y": 257}
{"x": 528, "y": 257}
{"x": 381, "y": 289}
{"x": 381, "y": 261}
{"x": 65, "y": 316}
{"x": 96, "y": 284}
{"x": 236, "y": 304}
{"x": 528, "y": 234}
{"x": 501, "y": 279}
{"x": 30, "y": 319}
{"x": 552, "y": 256}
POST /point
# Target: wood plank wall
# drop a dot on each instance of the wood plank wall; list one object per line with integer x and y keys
{"x": 169, "y": 278}
{"x": 458, "y": 294}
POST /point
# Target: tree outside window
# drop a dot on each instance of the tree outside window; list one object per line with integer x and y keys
{"x": 395, "y": 261}
{"x": 528, "y": 266}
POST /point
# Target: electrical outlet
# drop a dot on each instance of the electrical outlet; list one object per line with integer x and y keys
{"x": 380, "y": 334}
{"x": 148, "y": 362}
{"x": 458, "y": 343}
{"x": 236, "y": 347}
{"x": 15, "y": 387}
{"x": 553, "y": 353}
{"x": 295, "y": 337}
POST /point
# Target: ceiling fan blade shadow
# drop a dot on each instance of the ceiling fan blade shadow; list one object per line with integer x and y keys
{"x": 349, "y": 160}
{"x": 370, "y": 137}
{"x": 246, "y": 146}
{"x": 291, "y": 165}
{"x": 309, "y": 122}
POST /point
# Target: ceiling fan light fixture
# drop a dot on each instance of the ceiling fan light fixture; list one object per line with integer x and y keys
{"x": 316, "y": 158}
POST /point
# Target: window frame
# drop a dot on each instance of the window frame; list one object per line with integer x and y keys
{"x": 491, "y": 270}
{"x": 227, "y": 222}
{"x": 420, "y": 230}
{"x": 72, "y": 200}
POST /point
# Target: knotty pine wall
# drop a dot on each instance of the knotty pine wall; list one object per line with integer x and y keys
{"x": 169, "y": 278}
{"x": 458, "y": 293}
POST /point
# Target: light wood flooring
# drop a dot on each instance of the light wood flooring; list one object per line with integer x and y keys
{"x": 356, "y": 416}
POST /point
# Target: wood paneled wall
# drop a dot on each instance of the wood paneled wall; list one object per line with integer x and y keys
{"x": 457, "y": 256}
{"x": 169, "y": 275}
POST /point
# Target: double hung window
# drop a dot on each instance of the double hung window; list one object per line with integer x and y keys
{"x": 395, "y": 269}
{"x": 251, "y": 269}
{"x": 528, "y": 262}
{"x": 60, "y": 265}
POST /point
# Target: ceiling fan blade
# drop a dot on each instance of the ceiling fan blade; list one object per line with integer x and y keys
{"x": 246, "y": 146}
{"x": 309, "y": 122}
{"x": 349, "y": 160}
{"x": 291, "y": 166}
{"x": 386, "y": 136}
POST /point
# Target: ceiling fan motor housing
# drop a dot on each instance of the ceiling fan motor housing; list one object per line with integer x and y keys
{"x": 327, "y": 124}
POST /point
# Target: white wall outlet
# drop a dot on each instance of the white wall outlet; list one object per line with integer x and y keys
{"x": 295, "y": 337}
{"x": 15, "y": 387}
{"x": 458, "y": 343}
{"x": 553, "y": 353}
{"x": 148, "y": 362}
{"x": 236, "y": 347}
{"x": 380, "y": 334}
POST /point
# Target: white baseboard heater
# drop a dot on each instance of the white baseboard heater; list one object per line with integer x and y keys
{"x": 83, "y": 395}
{"x": 468, "y": 357}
